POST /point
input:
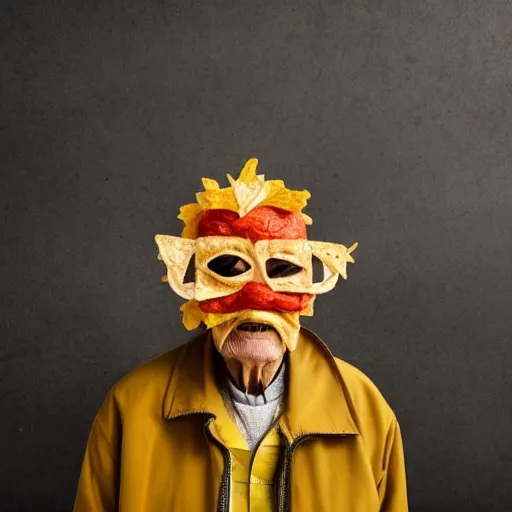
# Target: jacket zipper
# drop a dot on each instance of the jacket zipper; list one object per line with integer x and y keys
{"x": 223, "y": 504}
{"x": 284, "y": 480}
{"x": 255, "y": 449}
{"x": 225, "y": 485}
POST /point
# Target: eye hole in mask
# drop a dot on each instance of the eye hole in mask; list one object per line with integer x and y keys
{"x": 276, "y": 267}
{"x": 228, "y": 265}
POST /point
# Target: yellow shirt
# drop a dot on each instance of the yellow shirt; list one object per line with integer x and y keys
{"x": 252, "y": 485}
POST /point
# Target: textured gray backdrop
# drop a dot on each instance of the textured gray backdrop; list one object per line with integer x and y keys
{"x": 397, "y": 117}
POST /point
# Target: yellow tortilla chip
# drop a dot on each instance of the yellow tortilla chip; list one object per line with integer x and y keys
{"x": 192, "y": 316}
{"x": 190, "y": 215}
{"x": 176, "y": 253}
{"x": 222, "y": 198}
{"x": 210, "y": 184}
{"x": 307, "y": 219}
{"x": 248, "y": 173}
{"x": 292, "y": 200}
{"x": 247, "y": 192}
{"x": 335, "y": 258}
{"x": 310, "y": 309}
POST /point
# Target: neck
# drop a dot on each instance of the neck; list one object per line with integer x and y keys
{"x": 252, "y": 377}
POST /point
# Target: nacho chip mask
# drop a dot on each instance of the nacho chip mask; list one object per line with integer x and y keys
{"x": 244, "y": 257}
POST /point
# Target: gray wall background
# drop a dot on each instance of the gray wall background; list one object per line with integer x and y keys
{"x": 395, "y": 115}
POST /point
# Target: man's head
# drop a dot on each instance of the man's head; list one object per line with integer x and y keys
{"x": 246, "y": 267}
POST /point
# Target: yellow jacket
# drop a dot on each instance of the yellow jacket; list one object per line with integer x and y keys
{"x": 154, "y": 447}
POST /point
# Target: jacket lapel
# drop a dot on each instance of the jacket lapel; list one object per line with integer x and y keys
{"x": 316, "y": 401}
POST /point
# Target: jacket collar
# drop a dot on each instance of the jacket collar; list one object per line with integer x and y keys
{"x": 316, "y": 401}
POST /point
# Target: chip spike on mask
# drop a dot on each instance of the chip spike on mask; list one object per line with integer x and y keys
{"x": 351, "y": 249}
{"x": 192, "y": 316}
{"x": 248, "y": 173}
{"x": 189, "y": 213}
{"x": 307, "y": 219}
{"x": 231, "y": 180}
{"x": 244, "y": 194}
{"x": 249, "y": 189}
{"x": 210, "y": 184}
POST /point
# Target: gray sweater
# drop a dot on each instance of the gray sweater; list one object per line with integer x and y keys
{"x": 254, "y": 414}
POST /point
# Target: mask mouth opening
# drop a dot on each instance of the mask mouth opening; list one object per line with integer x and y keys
{"x": 255, "y": 327}
{"x": 286, "y": 325}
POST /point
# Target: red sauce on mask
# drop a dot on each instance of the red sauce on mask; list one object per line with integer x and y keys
{"x": 257, "y": 296}
{"x": 262, "y": 223}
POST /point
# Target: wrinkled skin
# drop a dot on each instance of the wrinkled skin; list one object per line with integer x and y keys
{"x": 252, "y": 356}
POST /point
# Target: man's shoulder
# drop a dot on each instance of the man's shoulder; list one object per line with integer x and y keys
{"x": 363, "y": 395}
{"x": 156, "y": 369}
{"x": 356, "y": 379}
{"x": 150, "y": 378}
{"x": 139, "y": 395}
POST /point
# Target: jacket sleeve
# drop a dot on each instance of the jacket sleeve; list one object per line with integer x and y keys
{"x": 98, "y": 486}
{"x": 392, "y": 487}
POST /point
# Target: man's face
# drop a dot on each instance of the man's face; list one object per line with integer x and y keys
{"x": 261, "y": 277}
{"x": 254, "y": 277}
{"x": 246, "y": 267}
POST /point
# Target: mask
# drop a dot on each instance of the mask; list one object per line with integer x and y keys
{"x": 244, "y": 257}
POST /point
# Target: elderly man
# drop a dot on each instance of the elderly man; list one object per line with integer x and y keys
{"x": 254, "y": 414}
